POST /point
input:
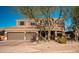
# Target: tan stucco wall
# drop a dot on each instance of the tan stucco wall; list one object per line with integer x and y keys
{"x": 29, "y": 28}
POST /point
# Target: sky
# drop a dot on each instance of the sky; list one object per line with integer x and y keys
{"x": 69, "y": 24}
{"x": 8, "y": 17}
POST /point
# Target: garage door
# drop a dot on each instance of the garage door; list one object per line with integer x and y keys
{"x": 30, "y": 35}
{"x": 16, "y": 36}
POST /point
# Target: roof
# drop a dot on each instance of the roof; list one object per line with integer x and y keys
{"x": 1, "y": 29}
{"x": 21, "y": 29}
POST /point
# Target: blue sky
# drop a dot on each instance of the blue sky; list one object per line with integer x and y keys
{"x": 69, "y": 24}
{"x": 8, "y": 17}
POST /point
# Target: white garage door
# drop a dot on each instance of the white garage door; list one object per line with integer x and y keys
{"x": 30, "y": 35}
{"x": 15, "y": 36}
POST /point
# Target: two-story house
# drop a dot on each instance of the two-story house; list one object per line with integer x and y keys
{"x": 26, "y": 29}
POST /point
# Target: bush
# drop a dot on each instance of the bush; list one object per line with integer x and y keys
{"x": 2, "y": 38}
{"x": 62, "y": 40}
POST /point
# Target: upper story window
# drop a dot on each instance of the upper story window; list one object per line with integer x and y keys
{"x": 33, "y": 23}
{"x": 21, "y": 22}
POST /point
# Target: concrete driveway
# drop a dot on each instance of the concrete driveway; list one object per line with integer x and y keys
{"x": 23, "y": 46}
{"x": 15, "y": 46}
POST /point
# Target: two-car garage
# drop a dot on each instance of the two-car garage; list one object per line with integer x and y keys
{"x": 20, "y": 35}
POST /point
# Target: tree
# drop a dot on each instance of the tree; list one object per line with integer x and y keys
{"x": 74, "y": 13}
{"x": 46, "y": 12}
{"x": 37, "y": 12}
{"x": 76, "y": 23}
{"x": 43, "y": 12}
{"x": 29, "y": 12}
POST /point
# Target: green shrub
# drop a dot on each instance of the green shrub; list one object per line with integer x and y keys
{"x": 62, "y": 40}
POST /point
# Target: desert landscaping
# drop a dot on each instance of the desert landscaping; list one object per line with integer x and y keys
{"x": 36, "y": 29}
{"x": 22, "y": 46}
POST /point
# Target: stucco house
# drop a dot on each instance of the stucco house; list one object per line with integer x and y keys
{"x": 26, "y": 29}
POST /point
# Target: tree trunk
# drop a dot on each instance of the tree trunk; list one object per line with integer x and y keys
{"x": 55, "y": 35}
{"x": 49, "y": 35}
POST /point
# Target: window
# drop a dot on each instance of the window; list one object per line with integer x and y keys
{"x": 33, "y": 23}
{"x": 2, "y": 32}
{"x": 21, "y": 22}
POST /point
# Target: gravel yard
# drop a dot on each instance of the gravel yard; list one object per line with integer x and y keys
{"x": 23, "y": 46}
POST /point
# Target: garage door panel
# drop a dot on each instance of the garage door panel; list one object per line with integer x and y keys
{"x": 30, "y": 35}
{"x": 15, "y": 36}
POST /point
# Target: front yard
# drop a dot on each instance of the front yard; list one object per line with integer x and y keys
{"x": 23, "y": 46}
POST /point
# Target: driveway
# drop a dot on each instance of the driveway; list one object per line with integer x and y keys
{"x": 23, "y": 46}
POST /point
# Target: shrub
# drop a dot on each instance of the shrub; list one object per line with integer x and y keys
{"x": 62, "y": 40}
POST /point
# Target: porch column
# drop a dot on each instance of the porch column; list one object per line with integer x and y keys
{"x": 63, "y": 33}
{"x": 6, "y": 35}
{"x": 24, "y": 35}
{"x": 55, "y": 35}
{"x": 36, "y": 36}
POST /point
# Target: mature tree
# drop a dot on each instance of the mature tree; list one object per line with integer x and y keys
{"x": 43, "y": 12}
{"x": 37, "y": 12}
{"x": 76, "y": 21}
{"x": 46, "y": 12}
{"x": 76, "y": 15}
{"x": 72, "y": 11}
